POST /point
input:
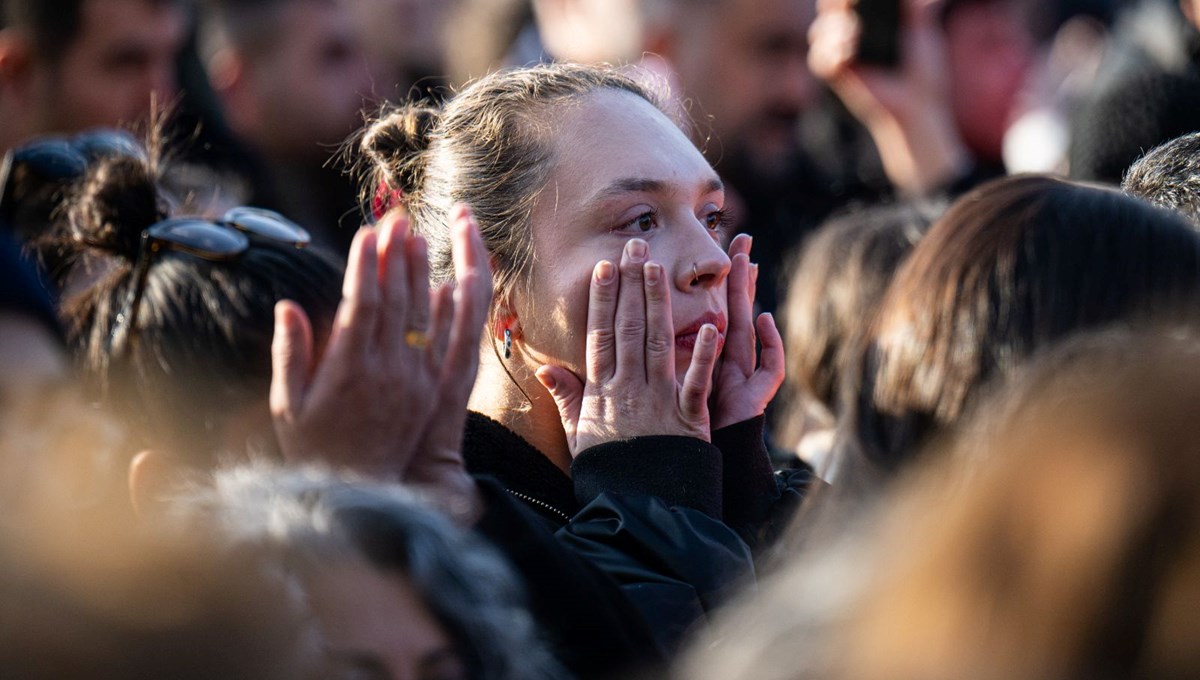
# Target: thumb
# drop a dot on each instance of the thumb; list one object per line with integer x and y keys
{"x": 567, "y": 390}
{"x": 291, "y": 359}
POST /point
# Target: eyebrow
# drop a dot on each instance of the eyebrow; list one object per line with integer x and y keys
{"x": 629, "y": 185}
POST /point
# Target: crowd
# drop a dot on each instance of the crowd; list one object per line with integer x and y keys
{"x": 541, "y": 339}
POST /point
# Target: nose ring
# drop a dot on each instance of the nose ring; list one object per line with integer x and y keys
{"x": 695, "y": 273}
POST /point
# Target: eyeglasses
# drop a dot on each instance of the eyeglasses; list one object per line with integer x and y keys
{"x": 220, "y": 240}
{"x": 33, "y": 176}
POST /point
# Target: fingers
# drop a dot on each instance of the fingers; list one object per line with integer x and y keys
{"x": 357, "y": 314}
{"x": 739, "y": 338}
{"x": 772, "y": 362}
{"x": 394, "y": 279}
{"x": 660, "y": 329}
{"x": 630, "y": 321}
{"x": 291, "y": 359}
{"x": 693, "y": 394}
{"x": 440, "y": 325}
{"x": 473, "y": 290}
{"x": 602, "y": 306}
{"x": 417, "y": 251}
{"x": 567, "y": 390}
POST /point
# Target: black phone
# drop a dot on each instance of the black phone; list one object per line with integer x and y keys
{"x": 879, "y": 42}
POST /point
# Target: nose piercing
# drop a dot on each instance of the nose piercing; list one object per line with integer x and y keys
{"x": 695, "y": 273}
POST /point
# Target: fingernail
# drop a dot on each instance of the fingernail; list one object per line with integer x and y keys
{"x": 605, "y": 272}
{"x": 653, "y": 272}
{"x": 708, "y": 332}
{"x": 637, "y": 249}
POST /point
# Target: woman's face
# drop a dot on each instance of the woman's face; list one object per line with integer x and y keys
{"x": 621, "y": 170}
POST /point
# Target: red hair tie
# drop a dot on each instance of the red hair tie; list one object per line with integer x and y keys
{"x": 385, "y": 199}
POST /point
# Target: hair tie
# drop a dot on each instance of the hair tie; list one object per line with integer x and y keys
{"x": 385, "y": 199}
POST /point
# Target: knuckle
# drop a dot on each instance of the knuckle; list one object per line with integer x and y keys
{"x": 631, "y": 327}
{"x": 658, "y": 345}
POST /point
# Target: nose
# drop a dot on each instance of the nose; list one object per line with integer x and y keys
{"x": 704, "y": 266}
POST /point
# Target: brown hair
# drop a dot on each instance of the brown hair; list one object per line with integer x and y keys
{"x": 1011, "y": 268}
{"x": 489, "y": 148}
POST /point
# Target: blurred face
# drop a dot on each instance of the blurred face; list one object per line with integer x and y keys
{"x": 377, "y": 628}
{"x": 311, "y": 86}
{"x": 123, "y": 56}
{"x": 989, "y": 51}
{"x": 621, "y": 170}
{"x": 745, "y": 64}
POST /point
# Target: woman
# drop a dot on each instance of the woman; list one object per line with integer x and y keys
{"x": 612, "y": 300}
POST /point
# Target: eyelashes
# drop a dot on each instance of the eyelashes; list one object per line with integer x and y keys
{"x": 716, "y": 221}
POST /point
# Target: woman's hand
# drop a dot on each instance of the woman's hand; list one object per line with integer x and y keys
{"x": 630, "y": 388}
{"x": 744, "y": 386}
{"x": 389, "y": 395}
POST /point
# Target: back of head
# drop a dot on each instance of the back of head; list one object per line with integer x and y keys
{"x": 199, "y": 351}
{"x": 1169, "y": 176}
{"x": 1010, "y": 269}
{"x": 489, "y": 147}
{"x": 312, "y": 519}
{"x": 1055, "y": 538}
{"x": 837, "y": 283}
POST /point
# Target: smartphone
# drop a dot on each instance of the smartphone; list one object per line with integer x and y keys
{"x": 879, "y": 42}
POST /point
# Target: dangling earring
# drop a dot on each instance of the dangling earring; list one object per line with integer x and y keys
{"x": 507, "y": 343}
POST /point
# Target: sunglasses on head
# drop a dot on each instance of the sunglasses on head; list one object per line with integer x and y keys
{"x": 33, "y": 175}
{"x": 220, "y": 240}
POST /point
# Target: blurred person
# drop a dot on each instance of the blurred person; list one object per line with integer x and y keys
{"x": 1054, "y": 537}
{"x": 70, "y": 65}
{"x": 291, "y": 77}
{"x": 406, "y": 42}
{"x": 216, "y": 344}
{"x": 836, "y": 285}
{"x": 1146, "y": 93}
{"x": 398, "y": 590}
{"x": 613, "y": 297}
{"x": 1010, "y": 270}
{"x": 1169, "y": 176}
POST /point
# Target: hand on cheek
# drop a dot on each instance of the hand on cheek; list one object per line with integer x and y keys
{"x": 744, "y": 384}
{"x": 630, "y": 388}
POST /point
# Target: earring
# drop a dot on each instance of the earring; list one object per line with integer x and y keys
{"x": 507, "y": 343}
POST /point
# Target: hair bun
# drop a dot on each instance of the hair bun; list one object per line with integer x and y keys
{"x": 115, "y": 202}
{"x": 396, "y": 142}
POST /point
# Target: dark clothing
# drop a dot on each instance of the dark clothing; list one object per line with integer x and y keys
{"x": 1145, "y": 95}
{"x": 647, "y": 511}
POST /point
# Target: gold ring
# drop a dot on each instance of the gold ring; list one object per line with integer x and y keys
{"x": 416, "y": 339}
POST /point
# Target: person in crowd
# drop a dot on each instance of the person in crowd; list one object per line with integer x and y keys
{"x": 291, "y": 77}
{"x": 216, "y": 344}
{"x": 1147, "y": 91}
{"x": 70, "y": 65}
{"x": 398, "y": 590}
{"x": 1009, "y": 270}
{"x": 1054, "y": 537}
{"x": 836, "y": 284}
{"x": 612, "y": 298}
{"x": 1169, "y": 176}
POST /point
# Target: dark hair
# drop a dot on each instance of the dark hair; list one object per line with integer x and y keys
{"x": 201, "y": 346}
{"x": 836, "y": 285}
{"x": 1011, "y": 268}
{"x": 487, "y": 148}
{"x": 311, "y": 517}
{"x": 1169, "y": 176}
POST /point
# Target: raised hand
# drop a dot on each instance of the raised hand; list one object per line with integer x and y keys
{"x": 744, "y": 384}
{"x": 630, "y": 388}
{"x": 388, "y": 397}
{"x": 906, "y": 109}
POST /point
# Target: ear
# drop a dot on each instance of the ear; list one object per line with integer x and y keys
{"x": 151, "y": 475}
{"x": 504, "y": 317}
{"x": 230, "y": 77}
{"x": 16, "y": 59}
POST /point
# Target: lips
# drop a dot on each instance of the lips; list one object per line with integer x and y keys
{"x": 685, "y": 338}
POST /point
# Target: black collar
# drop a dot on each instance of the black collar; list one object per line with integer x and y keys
{"x": 492, "y": 449}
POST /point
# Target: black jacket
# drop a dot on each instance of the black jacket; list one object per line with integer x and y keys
{"x": 648, "y": 512}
